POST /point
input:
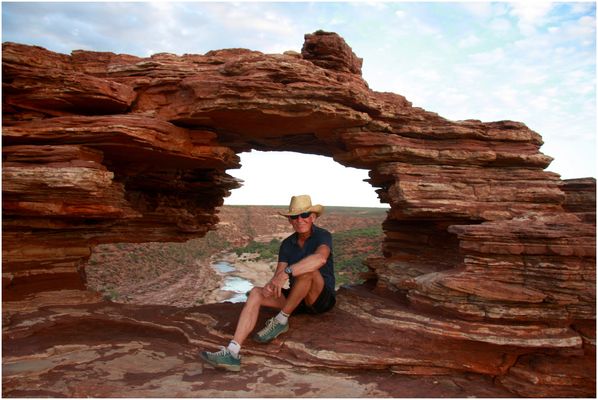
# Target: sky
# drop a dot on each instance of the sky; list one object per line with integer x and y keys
{"x": 532, "y": 61}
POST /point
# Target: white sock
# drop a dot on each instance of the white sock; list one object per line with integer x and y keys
{"x": 234, "y": 348}
{"x": 282, "y": 318}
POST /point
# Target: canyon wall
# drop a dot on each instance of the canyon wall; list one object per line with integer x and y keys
{"x": 488, "y": 261}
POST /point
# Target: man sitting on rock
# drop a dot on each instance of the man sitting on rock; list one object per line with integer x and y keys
{"x": 304, "y": 258}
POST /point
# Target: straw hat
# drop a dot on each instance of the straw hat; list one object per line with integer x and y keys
{"x": 301, "y": 204}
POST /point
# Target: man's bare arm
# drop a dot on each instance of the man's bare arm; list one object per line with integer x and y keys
{"x": 313, "y": 262}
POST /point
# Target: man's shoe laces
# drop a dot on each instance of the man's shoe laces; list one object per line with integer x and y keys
{"x": 222, "y": 352}
{"x": 270, "y": 326}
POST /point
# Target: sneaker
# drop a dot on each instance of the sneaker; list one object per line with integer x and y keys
{"x": 271, "y": 331}
{"x": 222, "y": 359}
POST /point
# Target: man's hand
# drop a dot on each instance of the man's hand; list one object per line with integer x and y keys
{"x": 268, "y": 289}
{"x": 277, "y": 283}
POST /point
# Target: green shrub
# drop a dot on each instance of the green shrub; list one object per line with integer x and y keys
{"x": 266, "y": 251}
{"x": 351, "y": 248}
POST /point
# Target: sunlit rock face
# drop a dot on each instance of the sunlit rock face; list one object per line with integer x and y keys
{"x": 488, "y": 264}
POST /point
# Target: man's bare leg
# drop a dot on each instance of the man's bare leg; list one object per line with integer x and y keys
{"x": 307, "y": 286}
{"x": 250, "y": 312}
{"x": 228, "y": 358}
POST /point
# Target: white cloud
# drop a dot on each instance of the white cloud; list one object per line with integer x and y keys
{"x": 582, "y": 7}
{"x": 427, "y": 29}
{"x": 510, "y": 98}
{"x": 378, "y": 5}
{"x": 337, "y": 21}
{"x": 530, "y": 14}
{"x": 469, "y": 41}
{"x": 531, "y": 11}
{"x": 500, "y": 25}
{"x": 478, "y": 9}
{"x": 525, "y": 74}
{"x": 488, "y": 57}
{"x": 585, "y": 26}
{"x": 250, "y": 17}
{"x": 484, "y": 11}
{"x": 425, "y": 74}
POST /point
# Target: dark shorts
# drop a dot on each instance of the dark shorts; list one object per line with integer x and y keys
{"x": 325, "y": 301}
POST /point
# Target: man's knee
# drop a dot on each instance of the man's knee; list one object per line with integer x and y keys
{"x": 255, "y": 294}
{"x": 259, "y": 296}
{"x": 308, "y": 276}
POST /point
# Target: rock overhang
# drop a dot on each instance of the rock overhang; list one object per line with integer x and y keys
{"x": 102, "y": 148}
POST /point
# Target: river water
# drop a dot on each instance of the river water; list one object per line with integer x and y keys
{"x": 236, "y": 285}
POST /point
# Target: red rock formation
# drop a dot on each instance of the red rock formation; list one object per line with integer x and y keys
{"x": 488, "y": 264}
{"x": 581, "y": 198}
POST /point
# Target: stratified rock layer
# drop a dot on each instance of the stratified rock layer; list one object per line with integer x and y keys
{"x": 488, "y": 265}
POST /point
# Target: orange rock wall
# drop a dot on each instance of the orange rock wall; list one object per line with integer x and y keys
{"x": 101, "y": 148}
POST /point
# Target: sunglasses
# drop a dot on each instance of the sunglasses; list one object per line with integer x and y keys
{"x": 303, "y": 215}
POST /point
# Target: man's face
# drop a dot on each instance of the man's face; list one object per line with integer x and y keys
{"x": 301, "y": 224}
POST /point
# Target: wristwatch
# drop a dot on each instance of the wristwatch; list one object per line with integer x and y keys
{"x": 289, "y": 270}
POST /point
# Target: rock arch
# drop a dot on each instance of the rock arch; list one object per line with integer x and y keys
{"x": 486, "y": 249}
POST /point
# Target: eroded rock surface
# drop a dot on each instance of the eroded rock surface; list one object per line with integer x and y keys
{"x": 488, "y": 264}
{"x": 109, "y": 350}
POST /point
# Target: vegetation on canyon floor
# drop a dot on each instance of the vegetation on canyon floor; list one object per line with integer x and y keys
{"x": 129, "y": 272}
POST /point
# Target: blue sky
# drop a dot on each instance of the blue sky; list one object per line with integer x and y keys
{"x": 531, "y": 61}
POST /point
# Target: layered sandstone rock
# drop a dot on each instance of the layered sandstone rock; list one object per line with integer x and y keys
{"x": 581, "y": 198}
{"x": 488, "y": 264}
{"x": 110, "y": 350}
